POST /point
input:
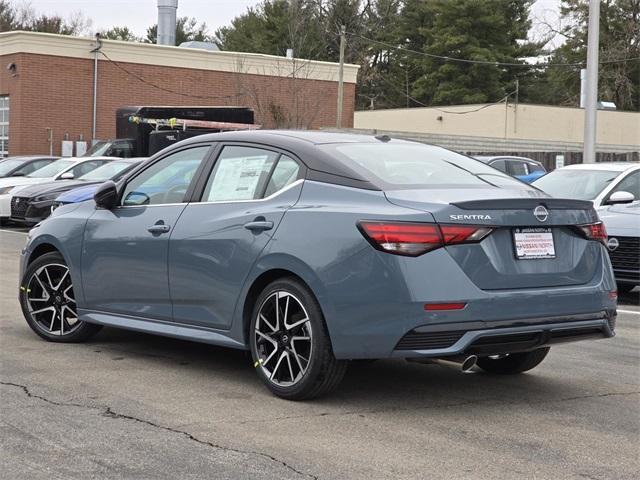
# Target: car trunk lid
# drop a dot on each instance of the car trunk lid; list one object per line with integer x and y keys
{"x": 519, "y": 217}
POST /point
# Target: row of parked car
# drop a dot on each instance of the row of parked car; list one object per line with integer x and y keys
{"x": 31, "y": 187}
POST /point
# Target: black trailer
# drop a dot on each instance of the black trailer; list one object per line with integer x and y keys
{"x": 139, "y": 133}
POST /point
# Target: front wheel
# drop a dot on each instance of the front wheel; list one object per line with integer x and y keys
{"x": 513, "y": 363}
{"x": 290, "y": 346}
{"x": 48, "y": 302}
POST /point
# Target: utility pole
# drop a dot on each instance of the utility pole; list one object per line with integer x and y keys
{"x": 515, "y": 110}
{"x": 590, "y": 108}
{"x": 343, "y": 34}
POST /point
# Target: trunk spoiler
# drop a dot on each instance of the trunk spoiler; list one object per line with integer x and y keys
{"x": 524, "y": 203}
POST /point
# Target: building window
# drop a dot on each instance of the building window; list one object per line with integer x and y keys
{"x": 4, "y": 125}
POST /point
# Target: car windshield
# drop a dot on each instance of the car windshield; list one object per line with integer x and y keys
{"x": 105, "y": 172}
{"x": 575, "y": 183}
{"x": 52, "y": 169}
{"x": 405, "y": 165}
{"x": 98, "y": 149}
{"x": 7, "y": 165}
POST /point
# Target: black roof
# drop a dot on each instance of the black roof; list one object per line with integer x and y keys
{"x": 302, "y": 143}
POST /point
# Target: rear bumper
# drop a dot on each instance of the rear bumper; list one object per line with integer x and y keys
{"x": 375, "y": 326}
{"x": 446, "y": 340}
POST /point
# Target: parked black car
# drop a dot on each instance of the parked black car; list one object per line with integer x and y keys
{"x": 23, "y": 165}
{"x": 33, "y": 203}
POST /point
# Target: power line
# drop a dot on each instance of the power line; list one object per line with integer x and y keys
{"x": 486, "y": 62}
{"x": 401, "y": 90}
{"x": 164, "y": 89}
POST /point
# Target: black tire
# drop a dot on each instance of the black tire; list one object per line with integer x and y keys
{"x": 625, "y": 287}
{"x": 514, "y": 362}
{"x": 323, "y": 372}
{"x": 63, "y": 308}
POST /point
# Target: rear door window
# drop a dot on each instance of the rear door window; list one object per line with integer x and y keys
{"x": 240, "y": 174}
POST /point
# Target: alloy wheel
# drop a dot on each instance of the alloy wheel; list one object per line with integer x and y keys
{"x": 283, "y": 339}
{"x": 50, "y": 300}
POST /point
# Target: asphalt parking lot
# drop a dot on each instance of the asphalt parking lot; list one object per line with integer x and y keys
{"x": 136, "y": 406}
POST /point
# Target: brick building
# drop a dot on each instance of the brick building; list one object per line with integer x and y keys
{"x": 47, "y": 87}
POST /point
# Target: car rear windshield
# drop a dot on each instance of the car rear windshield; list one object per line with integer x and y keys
{"x": 52, "y": 169}
{"x": 575, "y": 183}
{"x": 105, "y": 172}
{"x": 7, "y": 165}
{"x": 406, "y": 165}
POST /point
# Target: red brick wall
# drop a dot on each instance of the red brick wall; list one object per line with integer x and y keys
{"x": 57, "y": 92}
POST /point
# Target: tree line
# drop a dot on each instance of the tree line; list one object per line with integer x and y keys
{"x": 421, "y": 53}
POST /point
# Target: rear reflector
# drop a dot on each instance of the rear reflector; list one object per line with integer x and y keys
{"x": 413, "y": 239}
{"x": 444, "y": 306}
{"x": 594, "y": 231}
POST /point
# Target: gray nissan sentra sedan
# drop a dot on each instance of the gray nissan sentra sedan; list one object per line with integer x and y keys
{"x": 311, "y": 249}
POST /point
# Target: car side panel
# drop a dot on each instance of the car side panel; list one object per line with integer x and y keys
{"x": 211, "y": 254}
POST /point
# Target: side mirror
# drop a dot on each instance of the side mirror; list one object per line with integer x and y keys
{"x": 67, "y": 176}
{"x": 617, "y": 198}
{"x": 106, "y": 195}
{"x": 18, "y": 174}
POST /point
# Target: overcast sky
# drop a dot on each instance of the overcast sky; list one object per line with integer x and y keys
{"x": 139, "y": 14}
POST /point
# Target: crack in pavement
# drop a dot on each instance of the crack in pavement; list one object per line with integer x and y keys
{"x": 110, "y": 413}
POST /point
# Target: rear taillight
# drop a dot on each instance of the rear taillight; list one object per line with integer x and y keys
{"x": 594, "y": 231}
{"x": 413, "y": 239}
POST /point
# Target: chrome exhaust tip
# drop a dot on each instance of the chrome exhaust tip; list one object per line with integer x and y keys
{"x": 463, "y": 363}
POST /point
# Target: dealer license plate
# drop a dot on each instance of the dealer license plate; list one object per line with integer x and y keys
{"x": 533, "y": 243}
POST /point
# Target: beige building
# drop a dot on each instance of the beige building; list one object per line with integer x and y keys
{"x": 559, "y": 127}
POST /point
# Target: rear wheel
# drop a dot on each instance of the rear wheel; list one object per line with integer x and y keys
{"x": 513, "y": 363}
{"x": 290, "y": 346}
{"x": 48, "y": 302}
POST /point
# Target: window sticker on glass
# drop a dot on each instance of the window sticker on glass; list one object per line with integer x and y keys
{"x": 237, "y": 178}
{"x": 239, "y": 174}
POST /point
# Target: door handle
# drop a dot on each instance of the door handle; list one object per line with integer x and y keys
{"x": 158, "y": 229}
{"x": 258, "y": 226}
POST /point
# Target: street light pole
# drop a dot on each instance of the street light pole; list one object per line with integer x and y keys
{"x": 95, "y": 52}
{"x": 591, "y": 100}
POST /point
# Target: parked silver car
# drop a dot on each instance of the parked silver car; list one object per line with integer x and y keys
{"x": 614, "y": 189}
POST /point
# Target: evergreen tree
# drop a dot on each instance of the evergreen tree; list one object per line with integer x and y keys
{"x": 494, "y": 31}
{"x": 120, "y": 33}
{"x": 619, "y": 39}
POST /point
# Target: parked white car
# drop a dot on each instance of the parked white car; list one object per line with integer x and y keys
{"x": 63, "y": 169}
{"x": 614, "y": 189}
